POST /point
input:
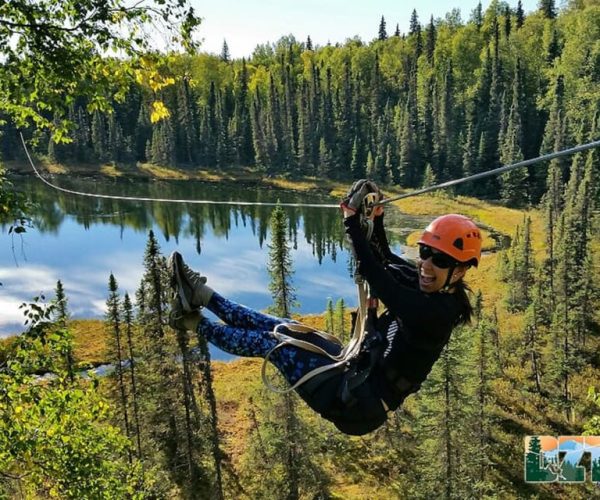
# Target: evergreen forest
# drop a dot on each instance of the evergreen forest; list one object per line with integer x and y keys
{"x": 450, "y": 98}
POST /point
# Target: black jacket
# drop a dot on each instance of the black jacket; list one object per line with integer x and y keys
{"x": 417, "y": 325}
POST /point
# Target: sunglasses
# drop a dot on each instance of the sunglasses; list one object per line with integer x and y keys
{"x": 439, "y": 259}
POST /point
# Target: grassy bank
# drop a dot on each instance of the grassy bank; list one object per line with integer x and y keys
{"x": 148, "y": 171}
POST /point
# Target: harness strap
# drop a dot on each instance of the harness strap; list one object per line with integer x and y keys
{"x": 340, "y": 360}
{"x": 347, "y": 354}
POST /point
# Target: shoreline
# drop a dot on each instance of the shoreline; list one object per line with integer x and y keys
{"x": 147, "y": 172}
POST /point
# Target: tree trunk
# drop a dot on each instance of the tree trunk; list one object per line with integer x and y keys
{"x": 134, "y": 392}
{"x": 214, "y": 435}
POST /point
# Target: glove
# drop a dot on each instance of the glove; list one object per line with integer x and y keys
{"x": 354, "y": 200}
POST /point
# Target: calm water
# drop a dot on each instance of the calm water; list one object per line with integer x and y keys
{"x": 82, "y": 240}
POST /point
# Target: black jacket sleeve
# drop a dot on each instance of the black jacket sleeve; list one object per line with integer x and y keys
{"x": 381, "y": 244}
{"x": 428, "y": 318}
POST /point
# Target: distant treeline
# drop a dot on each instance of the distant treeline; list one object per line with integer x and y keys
{"x": 449, "y": 98}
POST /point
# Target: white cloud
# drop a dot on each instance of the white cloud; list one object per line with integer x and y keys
{"x": 11, "y": 313}
{"x": 29, "y": 280}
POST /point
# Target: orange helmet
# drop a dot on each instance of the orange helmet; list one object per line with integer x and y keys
{"x": 455, "y": 235}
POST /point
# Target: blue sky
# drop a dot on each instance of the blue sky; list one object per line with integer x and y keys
{"x": 246, "y": 23}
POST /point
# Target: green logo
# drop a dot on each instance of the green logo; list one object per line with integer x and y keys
{"x": 549, "y": 459}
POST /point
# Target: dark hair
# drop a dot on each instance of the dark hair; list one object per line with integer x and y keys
{"x": 461, "y": 291}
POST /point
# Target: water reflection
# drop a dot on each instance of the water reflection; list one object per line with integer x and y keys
{"x": 82, "y": 240}
{"x": 322, "y": 229}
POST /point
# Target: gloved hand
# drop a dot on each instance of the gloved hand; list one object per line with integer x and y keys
{"x": 354, "y": 200}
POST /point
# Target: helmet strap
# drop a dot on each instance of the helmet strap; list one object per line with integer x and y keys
{"x": 447, "y": 285}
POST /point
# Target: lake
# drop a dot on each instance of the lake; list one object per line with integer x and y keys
{"x": 82, "y": 240}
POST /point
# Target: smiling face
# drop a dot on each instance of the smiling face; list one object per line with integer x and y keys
{"x": 432, "y": 277}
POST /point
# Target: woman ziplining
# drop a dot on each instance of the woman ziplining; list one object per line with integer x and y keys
{"x": 423, "y": 304}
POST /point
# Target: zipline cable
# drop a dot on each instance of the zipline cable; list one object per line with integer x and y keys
{"x": 481, "y": 175}
{"x": 499, "y": 170}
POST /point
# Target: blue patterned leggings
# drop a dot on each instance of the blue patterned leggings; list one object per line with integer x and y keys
{"x": 248, "y": 333}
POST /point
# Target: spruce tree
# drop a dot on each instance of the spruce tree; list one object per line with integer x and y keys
{"x": 280, "y": 265}
{"x": 547, "y": 8}
{"x": 469, "y": 157}
{"x": 82, "y": 135}
{"x": 443, "y": 428}
{"x": 357, "y": 166}
{"x": 345, "y": 131}
{"x": 430, "y": 42}
{"x": 382, "y": 33}
{"x": 327, "y": 119}
{"x": 477, "y": 16}
{"x": 274, "y": 131}
{"x": 193, "y": 422}
{"x": 552, "y": 204}
{"x": 113, "y": 316}
{"x": 520, "y": 267}
{"x": 390, "y": 168}
{"x": 409, "y": 160}
{"x": 429, "y": 178}
{"x": 162, "y": 149}
{"x": 520, "y": 15}
{"x": 370, "y": 166}
{"x": 187, "y": 128}
{"x": 340, "y": 320}
{"x": 514, "y": 182}
{"x": 309, "y": 45}
{"x": 447, "y": 155}
{"x": 291, "y": 450}
{"x": 428, "y": 122}
{"x": 415, "y": 31}
{"x": 304, "y": 149}
{"x": 99, "y": 139}
{"x": 315, "y": 113}
{"x": 159, "y": 374}
{"x": 243, "y": 133}
{"x": 209, "y": 395}
{"x": 329, "y": 317}
{"x": 115, "y": 140}
{"x": 211, "y": 127}
{"x": 259, "y": 140}
{"x": 553, "y": 47}
{"x": 128, "y": 324}
{"x": 143, "y": 133}
{"x": 225, "y": 148}
{"x": 533, "y": 331}
{"x": 490, "y": 154}
{"x": 483, "y": 418}
{"x": 225, "y": 57}
{"x": 507, "y": 22}
{"x": 289, "y": 122}
{"x": 62, "y": 319}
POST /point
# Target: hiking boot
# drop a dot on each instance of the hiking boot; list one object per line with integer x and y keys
{"x": 189, "y": 286}
{"x": 181, "y": 320}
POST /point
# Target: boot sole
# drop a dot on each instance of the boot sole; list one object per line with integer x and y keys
{"x": 178, "y": 284}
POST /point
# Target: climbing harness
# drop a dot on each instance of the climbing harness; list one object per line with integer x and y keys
{"x": 340, "y": 361}
{"x": 346, "y": 361}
